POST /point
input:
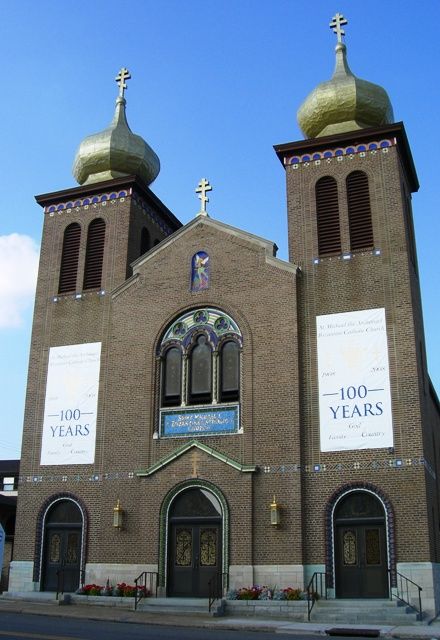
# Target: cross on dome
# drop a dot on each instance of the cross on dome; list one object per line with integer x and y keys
{"x": 123, "y": 75}
{"x": 202, "y": 188}
{"x": 336, "y": 23}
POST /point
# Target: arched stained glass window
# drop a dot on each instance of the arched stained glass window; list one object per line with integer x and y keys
{"x": 200, "y": 372}
{"x": 69, "y": 258}
{"x": 94, "y": 254}
{"x": 172, "y": 377}
{"x": 200, "y": 355}
{"x": 229, "y": 372}
{"x": 200, "y": 271}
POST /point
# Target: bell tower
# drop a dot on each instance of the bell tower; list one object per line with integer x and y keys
{"x": 365, "y": 404}
{"x": 91, "y": 235}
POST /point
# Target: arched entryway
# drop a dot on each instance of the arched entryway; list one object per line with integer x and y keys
{"x": 360, "y": 543}
{"x": 194, "y": 542}
{"x": 63, "y": 528}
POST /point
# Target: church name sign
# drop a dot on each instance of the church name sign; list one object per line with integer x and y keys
{"x": 354, "y": 381}
{"x": 201, "y": 421}
{"x": 69, "y": 427}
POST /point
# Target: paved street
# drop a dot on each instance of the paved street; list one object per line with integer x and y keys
{"x": 15, "y": 626}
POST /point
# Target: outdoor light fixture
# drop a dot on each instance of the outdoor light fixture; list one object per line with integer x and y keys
{"x": 117, "y": 515}
{"x": 274, "y": 513}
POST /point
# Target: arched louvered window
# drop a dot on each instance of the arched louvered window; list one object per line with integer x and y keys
{"x": 69, "y": 258}
{"x": 94, "y": 254}
{"x": 145, "y": 241}
{"x": 359, "y": 211}
{"x": 172, "y": 378}
{"x": 327, "y": 216}
{"x": 229, "y": 372}
{"x": 200, "y": 372}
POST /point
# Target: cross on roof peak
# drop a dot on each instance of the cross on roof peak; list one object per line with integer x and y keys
{"x": 122, "y": 76}
{"x": 202, "y": 188}
{"x": 335, "y": 25}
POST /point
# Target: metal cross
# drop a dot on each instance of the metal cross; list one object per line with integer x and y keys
{"x": 202, "y": 188}
{"x": 123, "y": 75}
{"x": 336, "y": 24}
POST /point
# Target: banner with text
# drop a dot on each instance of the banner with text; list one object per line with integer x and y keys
{"x": 354, "y": 381}
{"x": 69, "y": 427}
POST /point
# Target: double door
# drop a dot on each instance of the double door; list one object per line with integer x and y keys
{"x": 361, "y": 561}
{"x": 194, "y": 558}
{"x": 62, "y": 557}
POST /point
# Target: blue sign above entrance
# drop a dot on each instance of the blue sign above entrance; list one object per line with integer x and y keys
{"x": 201, "y": 421}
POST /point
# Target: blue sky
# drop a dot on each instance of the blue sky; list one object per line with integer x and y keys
{"x": 215, "y": 84}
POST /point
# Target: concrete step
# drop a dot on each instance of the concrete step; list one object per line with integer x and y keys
{"x": 362, "y": 612}
{"x": 181, "y": 606}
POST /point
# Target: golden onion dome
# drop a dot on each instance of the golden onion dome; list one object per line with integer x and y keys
{"x": 116, "y": 151}
{"x": 344, "y": 103}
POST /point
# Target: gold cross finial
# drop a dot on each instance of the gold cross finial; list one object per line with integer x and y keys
{"x": 202, "y": 188}
{"x": 336, "y": 23}
{"x": 123, "y": 75}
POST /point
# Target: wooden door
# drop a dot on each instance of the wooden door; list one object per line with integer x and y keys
{"x": 62, "y": 555}
{"x": 361, "y": 561}
{"x": 194, "y": 559}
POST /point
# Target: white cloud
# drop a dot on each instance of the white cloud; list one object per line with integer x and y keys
{"x": 18, "y": 277}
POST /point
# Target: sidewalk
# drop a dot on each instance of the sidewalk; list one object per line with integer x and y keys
{"x": 113, "y": 614}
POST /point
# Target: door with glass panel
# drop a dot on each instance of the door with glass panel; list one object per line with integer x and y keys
{"x": 361, "y": 561}
{"x": 194, "y": 558}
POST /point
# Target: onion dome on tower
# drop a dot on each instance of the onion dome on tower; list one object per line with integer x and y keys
{"x": 344, "y": 103}
{"x": 116, "y": 151}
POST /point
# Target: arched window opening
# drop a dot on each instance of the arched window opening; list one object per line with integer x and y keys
{"x": 327, "y": 216}
{"x": 359, "y": 211}
{"x": 94, "y": 254}
{"x": 69, "y": 258}
{"x": 172, "y": 378}
{"x": 229, "y": 372}
{"x": 200, "y": 359}
{"x": 200, "y": 372}
{"x": 145, "y": 241}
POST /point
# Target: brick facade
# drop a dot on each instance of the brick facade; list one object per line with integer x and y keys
{"x": 276, "y": 451}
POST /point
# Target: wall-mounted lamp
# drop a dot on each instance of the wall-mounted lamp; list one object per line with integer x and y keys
{"x": 274, "y": 513}
{"x": 118, "y": 512}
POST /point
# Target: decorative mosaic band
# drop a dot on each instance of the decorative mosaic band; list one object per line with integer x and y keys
{"x": 153, "y": 215}
{"x": 393, "y": 463}
{"x": 379, "y": 465}
{"x": 328, "y": 154}
{"x": 102, "y": 198}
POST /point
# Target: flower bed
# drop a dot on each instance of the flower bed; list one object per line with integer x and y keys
{"x": 267, "y": 593}
{"x": 121, "y": 590}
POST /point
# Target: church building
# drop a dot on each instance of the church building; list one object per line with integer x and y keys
{"x": 201, "y": 427}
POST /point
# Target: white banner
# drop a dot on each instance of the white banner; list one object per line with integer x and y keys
{"x": 354, "y": 381}
{"x": 69, "y": 427}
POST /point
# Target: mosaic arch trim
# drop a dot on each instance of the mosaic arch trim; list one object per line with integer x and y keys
{"x": 390, "y": 526}
{"x": 351, "y": 150}
{"x": 215, "y": 322}
{"x": 86, "y": 202}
